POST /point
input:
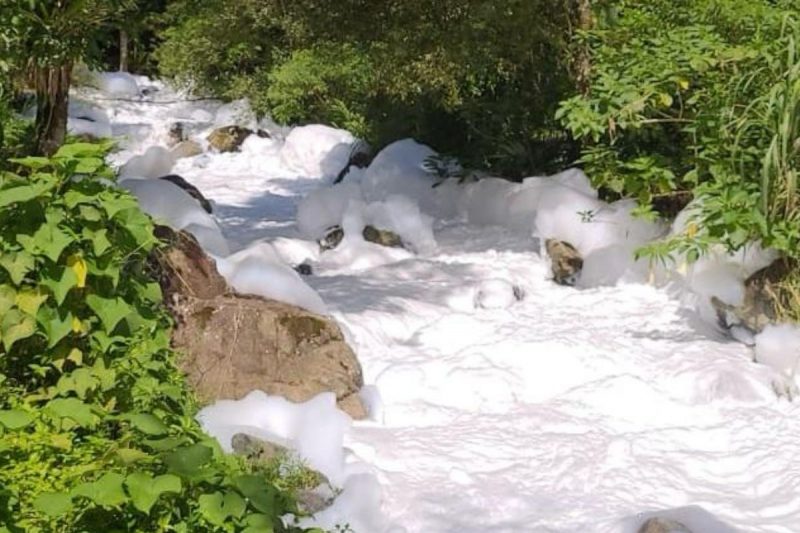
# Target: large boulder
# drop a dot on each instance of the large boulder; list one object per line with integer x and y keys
{"x": 233, "y": 344}
{"x": 228, "y": 138}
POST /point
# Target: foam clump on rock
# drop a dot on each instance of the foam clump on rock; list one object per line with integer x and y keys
{"x": 325, "y": 207}
{"x": 778, "y": 347}
{"x": 118, "y": 84}
{"x": 169, "y": 204}
{"x": 314, "y": 429}
{"x": 315, "y": 432}
{"x": 155, "y": 162}
{"x": 317, "y": 151}
{"x": 399, "y": 169}
{"x": 260, "y": 270}
{"x": 86, "y": 119}
{"x": 236, "y": 113}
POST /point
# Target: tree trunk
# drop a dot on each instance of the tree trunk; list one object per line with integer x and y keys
{"x": 583, "y": 64}
{"x": 52, "y": 98}
{"x": 123, "y": 50}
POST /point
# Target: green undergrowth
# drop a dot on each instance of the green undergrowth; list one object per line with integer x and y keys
{"x": 97, "y": 427}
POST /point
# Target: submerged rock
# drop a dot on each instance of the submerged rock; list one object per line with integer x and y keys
{"x": 332, "y": 238}
{"x": 176, "y": 134}
{"x": 334, "y": 235}
{"x": 233, "y": 344}
{"x": 228, "y": 138}
{"x": 382, "y": 237}
{"x": 186, "y": 149}
{"x": 663, "y": 525}
{"x": 193, "y": 191}
{"x": 762, "y": 299}
{"x": 566, "y": 262}
{"x": 304, "y": 269}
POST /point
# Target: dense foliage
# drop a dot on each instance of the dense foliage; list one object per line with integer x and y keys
{"x": 701, "y": 97}
{"x": 478, "y": 79}
{"x": 97, "y": 429}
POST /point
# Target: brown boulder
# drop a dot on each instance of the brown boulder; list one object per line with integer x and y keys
{"x": 763, "y": 299}
{"x": 382, "y": 237}
{"x": 566, "y": 262}
{"x": 663, "y": 525}
{"x": 233, "y": 344}
{"x": 228, "y": 138}
{"x": 183, "y": 268}
{"x": 186, "y": 149}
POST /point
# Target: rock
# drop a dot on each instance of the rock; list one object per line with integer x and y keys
{"x": 304, "y": 269}
{"x": 193, "y": 191}
{"x": 333, "y": 237}
{"x": 233, "y": 344}
{"x": 360, "y": 157}
{"x": 228, "y": 138}
{"x": 255, "y": 449}
{"x": 762, "y": 299}
{"x": 258, "y": 450}
{"x": 566, "y": 261}
{"x": 264, "y": 134}
{"x": 382, "y": 237}
{"x": 663, "y": 525}
{"x": 176, "y": 134}
{"x": 186, "y": 149}
{"x": 183, "y": 268}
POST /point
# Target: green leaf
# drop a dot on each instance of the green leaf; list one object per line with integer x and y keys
{"x": 109, "y": 310}
{"x": 15, "y": 419}
{"x": 217, "y": 508}
{"x": 73, "y": 409}
{"x": 22, "y": 193}
{"x": 80, "y": 150}
{"x": 145, "y": 490}
{"x": 148, "y": 424}
{"x": 34, "y": 163}
{"x": 260, "y": 493}
{"x": 16, "y": 326}
{"x": 54, "y": 325}
{"x": 259, "y": 523}
{"x": 17, "y": 264}
{"x": 60, "y": 284}
{"x": 189, "y": 461}
{"x": 53, "y": 504}
{"x": 29, "y": 300}
{"x": 106, "y": 491}
{"x": 8, "y": 296}
{"x": 130, "y": 456}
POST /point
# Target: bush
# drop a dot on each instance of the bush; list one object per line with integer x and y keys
{"x": 474, "y": 78}
{"x": 700, "y": 97}
{"x": 97, "y": 425}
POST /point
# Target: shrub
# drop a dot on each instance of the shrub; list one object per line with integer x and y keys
{"x": 97, "y": 429}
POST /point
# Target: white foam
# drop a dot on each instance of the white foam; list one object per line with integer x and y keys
{"x": 317, "y": 151}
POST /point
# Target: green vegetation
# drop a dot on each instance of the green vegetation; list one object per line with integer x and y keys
{"x": 477, "y": 79}
{"x": 662, "y": 101}
{"x": 97, "y": 429}
{"x": 698, "y": 97}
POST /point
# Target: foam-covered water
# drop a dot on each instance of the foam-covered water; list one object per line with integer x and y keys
{"x": 499, "y": 401}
